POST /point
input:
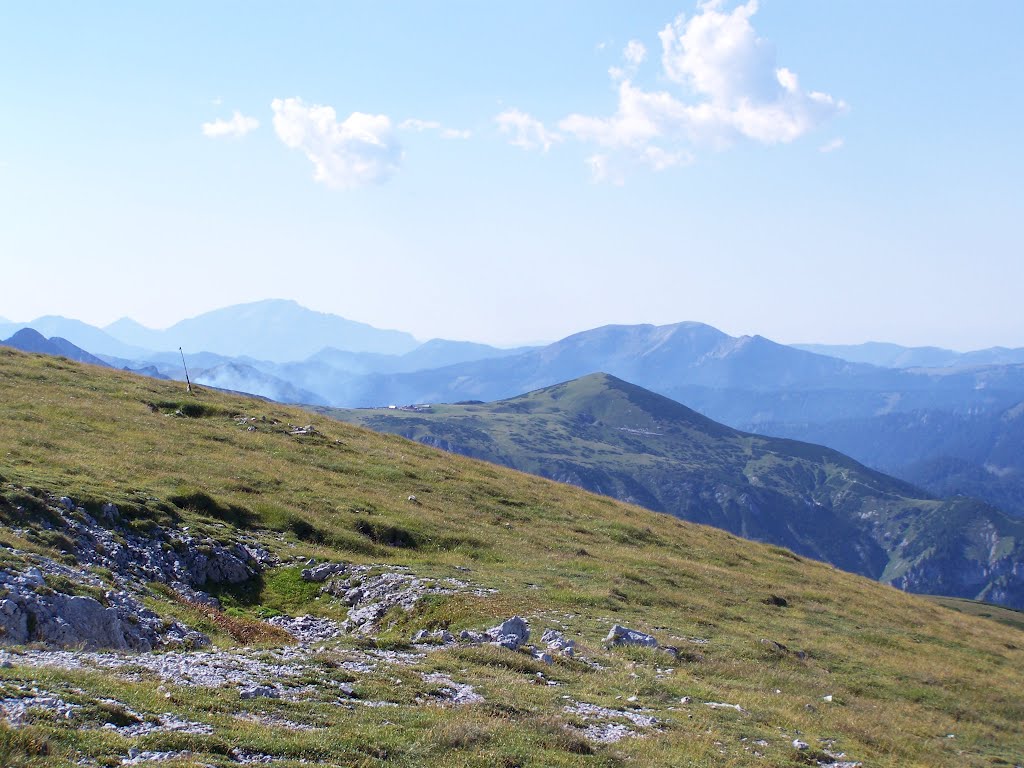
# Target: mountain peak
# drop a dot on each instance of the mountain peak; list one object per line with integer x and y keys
{"x": 31, "y": 340}
{"x": 614, "y": 401}
{"x": 26, "y": 336}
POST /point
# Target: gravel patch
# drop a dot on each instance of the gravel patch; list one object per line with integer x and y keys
{"x": 456, "y": 693}
{"x": 608, "y": 728}
{"x": 16, "y": 709}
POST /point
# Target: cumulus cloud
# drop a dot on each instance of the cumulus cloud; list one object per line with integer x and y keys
{"x": 831, "y": 146}
{"x": 526, "y": 131}
{"x": 359, "y": 150}
{"x": 724, "y": 86}
{"x": 236, "y": 127}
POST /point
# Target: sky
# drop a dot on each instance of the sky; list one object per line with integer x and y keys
{"x": 512, "y": 172}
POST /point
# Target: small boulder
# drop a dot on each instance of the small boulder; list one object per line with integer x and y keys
{"x": 556, "y": 641}
{"x": 619, "y": 635}
{"x": 322, "y": 572}
{"x": 442, "y": 636}
{"x": 511, "y": 633}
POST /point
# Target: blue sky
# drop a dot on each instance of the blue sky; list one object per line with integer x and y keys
{"x": 510, "y": 172}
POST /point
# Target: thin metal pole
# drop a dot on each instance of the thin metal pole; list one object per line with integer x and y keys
{"x": 188, "y": 384}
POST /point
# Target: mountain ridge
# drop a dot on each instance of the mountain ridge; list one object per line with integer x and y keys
{"x": 612, "y": 437}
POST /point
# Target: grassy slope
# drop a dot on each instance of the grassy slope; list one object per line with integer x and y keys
{"x": 904, "y": 672}
{"x": 615, "y": 438}
{"x": 998, "y": 613}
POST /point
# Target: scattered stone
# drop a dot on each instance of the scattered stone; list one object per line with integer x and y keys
{"x": 800, "y": 745}
{"x": 247, "y": 757}
{"x": 138, "y": 756}
{"x": 456, "y": 693}
{"x": 607, "y": 733}
{"x": 606, "y": 730}
{"x": 723, "y": 705}
{"x": 16, "y": 709}
{"x": 373, "y": 590}
{"x": 168, "y": 722}
{"x": 275, "y": 722}
{"x": 439, "y": 636}
{"x": 259, "y": 692}
{"x": 323, "y": 572}
{"x": 776, "y": 600}
{"x": 307, "y": 629}
{"x": 556, "y": 641}
{"x": 619, "y": 635}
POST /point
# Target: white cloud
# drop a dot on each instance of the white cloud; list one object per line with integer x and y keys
{"x": 236, "y": 127}
{"x": 832, "y": 146}
{"x": 660, "y": 159}
{"x": 719, "y": 55}
{"x": 634, "y": 53}
{"x": 598, "y": 168}
{"x": 725, "y": 86}
{"x": 415, "y": 124}
{"x": 526, "y": 131}
{"x": 358, "y": 150}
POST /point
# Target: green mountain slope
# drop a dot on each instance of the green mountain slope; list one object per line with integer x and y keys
{"x": 780, "y": 660}
{"x": 611, "y": 437}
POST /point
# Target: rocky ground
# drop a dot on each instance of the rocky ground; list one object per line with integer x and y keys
{"x": 87, "y": 614}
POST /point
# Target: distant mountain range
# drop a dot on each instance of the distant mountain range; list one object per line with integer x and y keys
{"x": 276, "y": 330}
{"x": 611, "y": 437}
{"x": 896, "y": 356}
{"x": 952, "y": 429}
